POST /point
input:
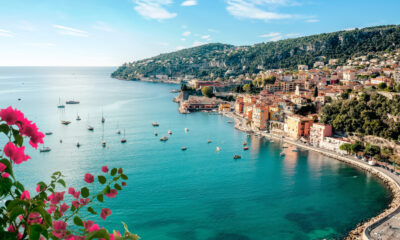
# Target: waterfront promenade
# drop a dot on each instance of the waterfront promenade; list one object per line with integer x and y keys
{"x": 385, "y": 226}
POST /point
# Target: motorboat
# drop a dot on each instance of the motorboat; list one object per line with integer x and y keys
{"x": 118, "y": 131}
{"x": 155, "y": 124}
{"x": 163, "y": 139}
{"x": 237, "y": 157}
{"x": 282, "y": 154}
{"x": 244, "y": 143}
{"x": 209, "y": 141}
{"x": 230, "y": 122}
{"x": 155, "y": 133}
{"x": 170, "y": 132}
{"x": 90, "y": 128}
{"x": 184, "y": 148}
{"x": 78, "y": 144}
{"x": 186, "y": 129}
{"x": 65, "y": 122}
{"x": 49, "y": 133}
{"x": 246, "y": 148}
{"x": 218, "y": 149}
{"x": 45, "y": 149}
{"x": 103, "y": 119}
{"x": 72, "y": 102}
{"x": 103, "y": 143}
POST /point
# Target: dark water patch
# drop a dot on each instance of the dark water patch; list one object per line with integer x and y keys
{"x": 159, "y": 223}
{"x": 308, "y": 221}
{"x": 229, "y": 236}
{"x": 184, "y": 235}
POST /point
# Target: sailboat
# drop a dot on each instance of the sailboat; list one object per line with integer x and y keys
{"x": 45, "y": 149}
{"x": 60, "y": 105}
{"x": 90, "y": 128}
{"x": 123, "y": 140}
{"x": 102, "y": 117}
{"x": 118, "y": 131}
{"x": 103, "y": 143}
{"x": 77, "y": 117}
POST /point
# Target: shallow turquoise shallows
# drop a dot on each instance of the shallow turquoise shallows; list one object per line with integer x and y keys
{"x": 197, "y": 194}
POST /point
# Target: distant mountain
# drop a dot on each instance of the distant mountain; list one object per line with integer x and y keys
{"x": 222, "y": 60}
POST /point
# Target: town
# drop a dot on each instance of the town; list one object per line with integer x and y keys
{"x": 288, "y": 104}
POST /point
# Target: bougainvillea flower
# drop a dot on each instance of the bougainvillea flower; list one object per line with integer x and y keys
{"x": 56, "y": 197}
{"x": 89, "y": 178}
{"x": 16, "y": 154}
{"x": 112, "y": 193}
{"x": 2, "y": 167}
{"x": 64, "y": 207}
{"x": 87, "y": 224}
{"x": 75, "y": 203}
{"x": 105, "y": 212}
{"x": 25, "y": 195}
{"x": 5, "y": 175}
{"x": 104, "y": 169}
{"x": 11, "y": 116}
{"x": 93, "y": 228}
{"x": 29, "y": 129}
{"x": 59, "y": 229}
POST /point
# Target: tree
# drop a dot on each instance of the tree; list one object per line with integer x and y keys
{"x": 248, "y": 87}
{"x": 207, "y": 91}
{"x": 382, "y": 86}
{"x": 316, "y": 92}
{"x": 346, "y": 147}
{"x": 372, "y": 150}
{"x": 269, "y": 80}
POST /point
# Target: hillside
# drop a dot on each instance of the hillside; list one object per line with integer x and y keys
{"x": 222, "y": 60}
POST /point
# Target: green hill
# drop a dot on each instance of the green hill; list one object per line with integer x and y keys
{"x": 222, "y": 60}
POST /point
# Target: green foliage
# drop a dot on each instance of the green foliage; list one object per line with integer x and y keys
{"x": 200, "y": 61}
{"x": 365, "y": 115}
{"x": 207, "y": 91}
{"x": 382, "y": 86}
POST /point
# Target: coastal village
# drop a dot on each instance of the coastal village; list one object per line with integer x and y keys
{"x": 287, "y": 103}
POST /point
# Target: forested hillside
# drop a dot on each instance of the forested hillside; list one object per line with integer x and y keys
{"x": 221, "y": 60}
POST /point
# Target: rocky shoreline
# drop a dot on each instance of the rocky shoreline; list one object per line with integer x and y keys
{"x": 362, "y": 231}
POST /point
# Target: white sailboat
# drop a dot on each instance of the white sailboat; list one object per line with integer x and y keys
{"x": 103, "y": 142}
{"x": 78, "y": 118}
{"x": 60, "y": 105}
{"x": 118, "y": 131}
{"x": 89, "y": 127}
{"x": 123, "y": 140}
{"x": 102, "y": 117}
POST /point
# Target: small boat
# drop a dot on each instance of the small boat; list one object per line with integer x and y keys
{"x": 282, "y": 154}
{"x": 246, "y": 148}
{"x": 90, "y": 128}
{"x": 230, "y": 122}
{"x": 237, "y": 157}
{"x": 163, "y": 139}
{"x": 65, "y": 122}
{"x": 170, "y": 132}
{"x": 372, "y": 162}
{"x": 186, "y": 129}
{"x": 123, "y": 140}
{"x": 118, "y": 131}
{"x": 103, "y": 143}
{"x": 72, "y": 102}
{"x": 244, "y": 143}
{"x": 155, "y": 124}
{"x": 60, "y": 140}
{"x": 209, "y": 141}
{"x": 218, "y": 149}
{"x": 78, "y": 144}
{"x": 49, "y": 133}
{"x": 184, "y": 148}
{"x": 45, "y": 149}
{"x": 60, "y": 105}
{"x": 78, "y": 118}
{"x": 155, "y": 133}
{"x": 19, "y": 99}
{"x": 102, "y": 117}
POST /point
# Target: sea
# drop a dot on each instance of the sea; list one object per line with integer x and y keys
{"x": 197, "y": 194}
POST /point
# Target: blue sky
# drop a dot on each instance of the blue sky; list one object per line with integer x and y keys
{"x": 111, "y": 32}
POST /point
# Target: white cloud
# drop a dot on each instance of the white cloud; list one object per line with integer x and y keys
{"x": 5, "y": 33}
{"x": 206, "y": 37}
{"x": 198, "y": 43}
{"x": 313, "y": 20}
{"x": 189, "y": 3}
{"x": 253, "y": 9}
{"x": 154, "y": 9}
{"x": 187, "y": 33}
{"x": 183, "y": 39}
{"x": 70, "y": 31}
{"x": 102, "y": 27}
{"x": 276, "y": 36}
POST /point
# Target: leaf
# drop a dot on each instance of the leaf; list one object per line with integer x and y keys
{"x": 123, "y": 176}
{"x": 107, "y": 189}
{"x": 113, "y": 171}
{"x": 100, "y": 197}
{"x": 45, "y": 215}
{"x": 102, "y": 179}
{"x": 85, "y": 192}
{"x": 102, "y": 233}
{"x": 78, "y": 221}
{"x": 18, "y": 140}
{"x": 62, "y": 182}
{"x": 16, "y": 203}
{"x": 91, "y": 210}
{"x": 15, "y": 212}
{"x": 35, "y": 231}
{"x": 4, "y": 128}
{"x": 117, "y": 186}
{"x": 19, "y": 186}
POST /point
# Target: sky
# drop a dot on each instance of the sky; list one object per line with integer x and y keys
{"x": 112, "y": 32}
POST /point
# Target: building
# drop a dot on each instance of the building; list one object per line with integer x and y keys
{"x": 239, "y": 104}
{"x": 318, "y": 132}
{"x": 294, "y": 126}
{"x": 349, "y": 75}
{"x": 260, "y": 116}
{"x": 224, "y": 107}
{"x": 302, "y": 67}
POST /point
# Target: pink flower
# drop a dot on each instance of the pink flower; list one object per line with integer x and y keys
{"x": 29, "y": 129}
{"x": 112, "y": 193}
{"x": 104, "y": 169}
{"x": 89, "y": 178}
{"x": 75, "y": 203}
{"x": 34, "y": 218}
{"x": 25, "y": 195}
{"x": 93, "y": 228}
{"x": 11, "y": 116}
{"x": 87, "y": 224}
{"x": 76, "y": 194}
{"x": 2, "y": 167}
{"x": 11, "y": 228}
{"x": 51, "y": 209}
{"x": 64, "y": 207}
{"x": 59, "y": 229}
{"x": 71, "y": 190}
{"x": 120, "y": 171}
{"x": 105, "y": 212}
{"x": 16, "y": 154}
{"x": 38, "y": 188}
{"x": 84, "y": 201}
{"x": 123, "y": 184}
{"x": 5, "y": 175}
{"x": 56, "y": 197}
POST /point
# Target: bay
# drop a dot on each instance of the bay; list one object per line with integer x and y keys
{"x": 198, "y": 194}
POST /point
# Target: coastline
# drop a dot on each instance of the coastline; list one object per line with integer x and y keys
{"x": 363, "y": 229}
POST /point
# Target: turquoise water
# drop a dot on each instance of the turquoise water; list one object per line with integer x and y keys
{"x": 198, "y": 194}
